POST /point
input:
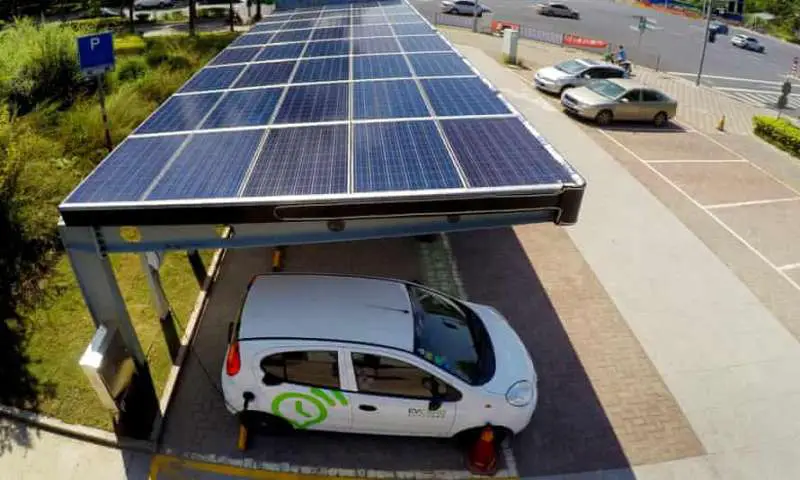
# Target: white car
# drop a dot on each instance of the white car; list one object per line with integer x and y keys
{"x": 557, "y": 10}
{"x": 153, "y": 3}
{"x": 464, "y": 7}
{"x": 375, "y": 356}
{"x": 575, "y": 73}
{"x": 747, "y": 43}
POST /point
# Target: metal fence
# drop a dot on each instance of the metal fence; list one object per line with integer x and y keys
{"x": 477, "y": 24}
{"x": 531, "y": 33}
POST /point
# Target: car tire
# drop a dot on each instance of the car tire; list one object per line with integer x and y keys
{"x": 604, "y": 118}
{"x": 661, "y": 119}
{"x": 260, "y": 422}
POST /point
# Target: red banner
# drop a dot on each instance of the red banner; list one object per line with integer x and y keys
{"x": 498, "y": 25}
{"x": 578, "y": 41}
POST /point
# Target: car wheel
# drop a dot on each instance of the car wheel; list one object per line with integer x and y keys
{"x": 261, "y": 422}
{"x": 453, "y": 11}
{"x": 480, "y": 14}
{"x": 604, "y": 118}
{"x": 660, "y": 119}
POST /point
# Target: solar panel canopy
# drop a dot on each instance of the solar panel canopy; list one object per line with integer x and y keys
{"x": 330, "y": 111}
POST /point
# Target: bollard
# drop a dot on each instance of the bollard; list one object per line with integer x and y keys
{"x": 721, "y": 124}
{"x": 510, "y": 39}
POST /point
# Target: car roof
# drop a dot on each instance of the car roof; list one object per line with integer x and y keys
{"x": 628, "y": 84}
{"x": 588, "y": 62}
{"x": 328, "y": 307}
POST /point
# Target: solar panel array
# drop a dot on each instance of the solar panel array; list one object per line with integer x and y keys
{"x": 344, "y": 99}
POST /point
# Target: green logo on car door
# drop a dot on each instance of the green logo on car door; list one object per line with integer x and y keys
{"x": 303, "y": 410}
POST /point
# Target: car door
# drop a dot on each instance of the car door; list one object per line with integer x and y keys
{"x": 464, "y": 7}
{"x": 628, "y": 105}
{"x": 652, "y": 103}
{"x": 303, "y": 386}
{"x": 394, "y": 396}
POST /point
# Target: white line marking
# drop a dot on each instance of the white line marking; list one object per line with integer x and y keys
{"x": 750, "y": 90}
{"x": 741, "y": 160}
{"x": 751, "y": 202}
{"x": 790, "y": 266}
{"x": 736, "y": 79}
{"x": 711, "y": 214}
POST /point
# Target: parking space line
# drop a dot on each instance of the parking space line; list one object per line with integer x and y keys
{"x": 741, "y": 160}
{"x": 710, "y": 213}
{"x": 751, "y": 202}
{"x": 790, "y": 266}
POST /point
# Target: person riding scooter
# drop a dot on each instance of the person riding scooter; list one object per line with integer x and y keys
{"x": 621, "y": 59}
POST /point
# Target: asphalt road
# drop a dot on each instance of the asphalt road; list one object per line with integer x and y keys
{"x": 679, "y": 40}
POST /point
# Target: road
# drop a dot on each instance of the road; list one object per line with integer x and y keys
{"x": 678, "y": 40}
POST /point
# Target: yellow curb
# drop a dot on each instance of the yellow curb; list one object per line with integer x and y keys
{"x": 170, "y": 467}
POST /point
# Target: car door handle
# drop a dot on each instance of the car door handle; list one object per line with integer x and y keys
{"x": 367, "y": 408}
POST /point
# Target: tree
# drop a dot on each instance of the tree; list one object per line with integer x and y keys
{"x": 192, "y": 16}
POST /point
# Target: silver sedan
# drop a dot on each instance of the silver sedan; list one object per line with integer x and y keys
{"x": 620, "y": 99}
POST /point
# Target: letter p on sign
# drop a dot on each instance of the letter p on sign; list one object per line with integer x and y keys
{"x": 96, "y": 53}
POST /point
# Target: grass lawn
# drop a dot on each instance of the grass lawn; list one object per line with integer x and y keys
{"x": 60, "y": 329}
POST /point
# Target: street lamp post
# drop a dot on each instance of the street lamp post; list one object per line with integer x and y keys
{"x": 705, "y": 42}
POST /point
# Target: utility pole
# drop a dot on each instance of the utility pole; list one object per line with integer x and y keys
{"x": 705, "y": 42}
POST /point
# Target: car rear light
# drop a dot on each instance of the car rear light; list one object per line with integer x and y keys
{"x": 233, "y": 363}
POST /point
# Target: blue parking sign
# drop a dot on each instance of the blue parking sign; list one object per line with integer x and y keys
{"x": 96, "y": 53}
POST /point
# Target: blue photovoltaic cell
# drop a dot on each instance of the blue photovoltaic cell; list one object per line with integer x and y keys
{"x": 401, "y": 156}
{"x": 388, "y": 99}
{"x": 328, "y": 48}
{"x": 244, "y": 108}
{"x": 333, "y": 22}
{"x": 212, "y": 79}
{"x": 266, "y": 27}
{"x": 331, "y": 33}
{"x": 260, "y": 74}
{"x": 388, "y": 66}
{"x": 370, "y": 20}
{"x": 502, "y": 152}
{"x": 322, "y": 70}
{"x": 314, "y": 103}
{"x": 281, "y": 52}
{"x": 375, "y": 45}
{"x": 412, "y": 29}
{"x": 301, "y": 161}
{"x": 127, "y": 173}
{"x": 372, "y": 31}
{"x": 212, "y": 165}
{"x": 404, "y": 18}
{"x": 334, "y": 13}
{"x": 291, "y": 36}
{"x": 305, "y": 16}
{"x": 428, "y": 43}
{"x": 462, "y": 96}
{"x": 299, "y": 24}
{"x": 252, "y": 39}
{"x": 235, "y": 55}
{"x": 439, "y": 64}
{"x": 184, "y": 112}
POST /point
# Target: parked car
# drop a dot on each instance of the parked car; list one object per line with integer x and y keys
{"x": 557, "y": 10}
{"x": 718, "y": 27}
{"x": 747, "y": 43}
{"x": 375, "y": 356}
{"x": 575, "y": 73}
{"x": 608, "y": 100}
{"x": 464, "y": 7}
{"x": 153, "y": 3}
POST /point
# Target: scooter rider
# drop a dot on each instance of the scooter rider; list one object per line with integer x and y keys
{"x": 622, "y": 59}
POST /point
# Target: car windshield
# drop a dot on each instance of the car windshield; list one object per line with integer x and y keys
{"x": 606, "y": 88}
{"x": 570, "y": 66}
{"x": 451, "y": 336}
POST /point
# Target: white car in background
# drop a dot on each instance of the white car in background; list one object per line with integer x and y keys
{"x": 575, "y": 73}
{"x": 375, "y": 356}
{"x": 747, "y": 43}
{"x": 464, "y": 7}
{"x": 153, "y": 3}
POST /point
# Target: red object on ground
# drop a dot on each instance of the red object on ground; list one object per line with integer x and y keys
{"x": 482, "y": 458}
{"x": 500, "y": 25}
{"x": 578, "y": 41}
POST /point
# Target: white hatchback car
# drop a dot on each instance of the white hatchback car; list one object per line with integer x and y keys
{"x": 377, "y": 356}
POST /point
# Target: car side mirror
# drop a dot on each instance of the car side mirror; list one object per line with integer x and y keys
{"x": 625, "y": 100}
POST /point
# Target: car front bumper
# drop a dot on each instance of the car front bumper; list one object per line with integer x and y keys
{"x": 547, "y": 85}
{"x": 578, "y": 109}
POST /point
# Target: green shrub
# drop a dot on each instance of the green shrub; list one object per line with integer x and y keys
{"x": 157, "y": 85}
{"x": 129, "y": 45}
{"x": 176, "y": 16}
{"x": 131, "y": 69}
{"x": 779, "y": 132}
{"x": 99, "y": 24}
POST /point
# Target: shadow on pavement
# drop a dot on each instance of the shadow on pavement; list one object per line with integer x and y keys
{"x": 569, "y": 432}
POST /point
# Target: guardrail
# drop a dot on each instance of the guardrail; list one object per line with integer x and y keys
{"x": 476, "y": 24}
{"x": 531, "y": 33}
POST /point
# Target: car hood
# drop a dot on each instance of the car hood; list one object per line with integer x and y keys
{"x": 588, "y": 97}
{"x": 552, "y": 74}
{"x": 512, "y": 360}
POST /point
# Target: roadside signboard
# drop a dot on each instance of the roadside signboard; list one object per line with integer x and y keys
{"x": 96, "y": 53}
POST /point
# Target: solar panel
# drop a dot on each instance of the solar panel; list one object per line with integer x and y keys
{"x": 333, "y": 13}
{"x": 388, "y": 99}
{"x": 402, "y": 156}
{"x": 463, "y": 96}
{"x": 244, "y": 108}
{"x": 439, "y": 64}
{"x": 369, "y": 20}
{"x": 305, "y": 16}
{"x": 211, "y": 165}
{"x": 261, "y": 74}
{"x": 235, "y": 55}
{"x": 322, "y": 70}
{"x": 372, "y": 31}
{"x": 266, "y": 27}
{"x": 180, "y": 113}
{"x": 280, "y": 52}
{"x": 314, "y": 103}
{"x": 212, "y": 79}
{"x": 301, "y": 161}
{"x": 331, "y": 33}
{"x": 252, "y": 39}
{"x": 299, "y": 24}
{"x": 291, "y": 36}
{"x": 412, "y": 29}
{"x": 388, "y": 66}
{"x": 375, "y": 45}
{"x": 128, "y": 171}
{"x": 502, "y": 152}
{"x": 427, "y": 43}
{"x": 399, "y": 17}
{"x": 328, "y": 48}
{"x": 333, "y": 22}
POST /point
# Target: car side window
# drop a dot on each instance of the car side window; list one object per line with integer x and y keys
{"x": 632, "y": 96}
{"x": 613, "y": 73}
{"x": 651, "y": 96}
{"x": 387, "y": 376}
{"x": 316, "y": 368}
